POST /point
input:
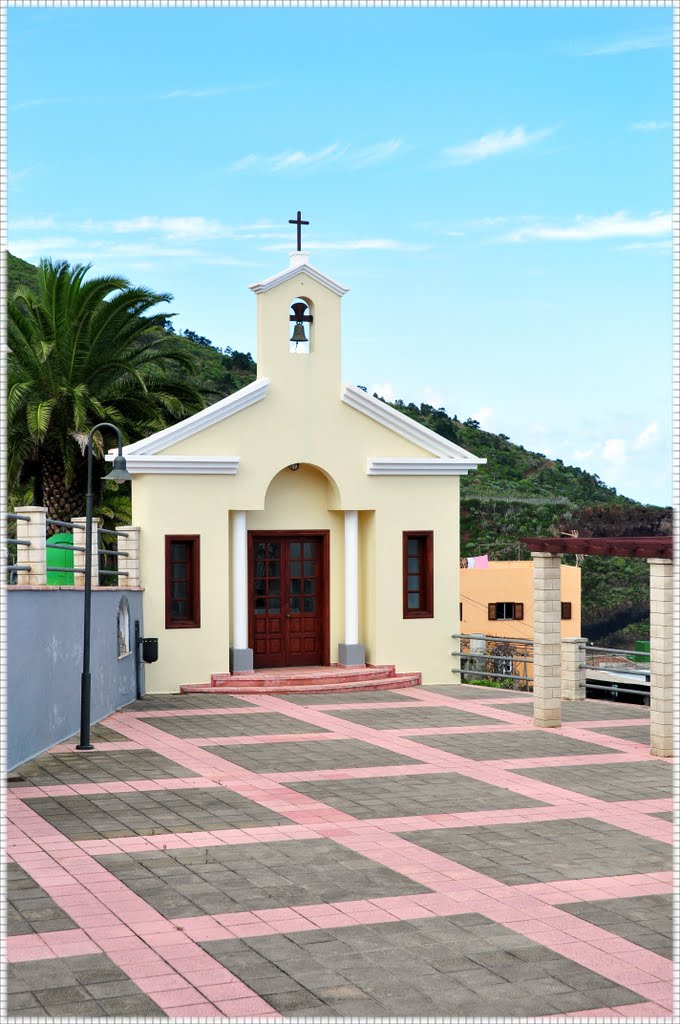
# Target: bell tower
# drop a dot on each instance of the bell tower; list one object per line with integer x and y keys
{"x": 298, "y": 326}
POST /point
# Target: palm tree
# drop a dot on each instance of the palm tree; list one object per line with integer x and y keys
{"x": 82, "y": 352}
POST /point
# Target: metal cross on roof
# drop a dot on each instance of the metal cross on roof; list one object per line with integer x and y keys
{"x": 299, "y": 223}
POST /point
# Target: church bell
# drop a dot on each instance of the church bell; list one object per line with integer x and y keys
{"x": 299, "y": 336}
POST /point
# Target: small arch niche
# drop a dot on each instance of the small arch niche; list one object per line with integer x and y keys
{"x": 302, "y": 319}
{"x": 123, "y": 628}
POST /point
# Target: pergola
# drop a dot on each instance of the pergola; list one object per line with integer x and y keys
{"x": 553, "y": 681}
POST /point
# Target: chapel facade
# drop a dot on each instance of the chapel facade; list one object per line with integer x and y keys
{"x": 299, "y": 521}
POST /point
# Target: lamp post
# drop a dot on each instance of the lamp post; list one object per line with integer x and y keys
{"x": 120, "y": 474}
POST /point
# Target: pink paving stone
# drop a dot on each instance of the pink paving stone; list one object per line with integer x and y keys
{"x": 643, "y": 1010}
{"x": 660, "y": 992}
{"x": 21, "y": 948}
{"x": 225, "y": 990}
{"x": 178, "y": 997}
{"x": 244, "y": 930}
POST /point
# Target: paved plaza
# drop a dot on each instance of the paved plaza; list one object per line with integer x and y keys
{"x": 423, "y": 852}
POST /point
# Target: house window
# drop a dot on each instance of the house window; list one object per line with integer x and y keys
{"x": 418, "y": 588}
{"x": 123, "y": 628}
{"x": 182, "y": 582}
{"x": 566, "y": 610}
{"x": 504, "y": 610}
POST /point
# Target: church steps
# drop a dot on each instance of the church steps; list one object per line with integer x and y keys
{"x": 282, "y": 686}
{"x": 301, "y": 677}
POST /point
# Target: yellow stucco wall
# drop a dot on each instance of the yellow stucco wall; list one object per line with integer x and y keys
{"x": 301, "y": 420}
{"x": 513, "y": 581}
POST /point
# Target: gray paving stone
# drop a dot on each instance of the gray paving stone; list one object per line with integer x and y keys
{"x": 589, "y": 710}
{"x": 471, "y": 691}
{"x": 204, "y": 726}
{"x": 389, "y": 981}
{"x": 645, "y": 920}
{"x": 152, "y": 813}
{"x": 362, "y": 697}
{"x": 222, "y": 879}
{"x": 185, "y": 702}
{"x": 309, "y": 756}
{"x": 61, "y": 988}
{"x": 411, "y": 795}
{"x": 634, "y": 780}
{"x": 99, "y": 766}
{"x": 410, "y": 717}
{"x": 547, "y": 851}
{"x": 29, "y": 908}
{"x": 636, "y": 733}
{"x": 496, "y": 746}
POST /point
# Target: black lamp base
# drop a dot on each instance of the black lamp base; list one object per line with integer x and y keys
{"x": 85, "y": 746}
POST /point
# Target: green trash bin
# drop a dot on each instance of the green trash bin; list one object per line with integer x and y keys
{"x": 642, "y": 645}
{"x": 59, "y": 559}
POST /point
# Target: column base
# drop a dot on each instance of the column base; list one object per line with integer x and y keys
{"x": 351, "y": 655}
{"x": 240, "y": 659}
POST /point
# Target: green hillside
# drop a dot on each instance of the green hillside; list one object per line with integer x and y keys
{"x": 519, "y": 493}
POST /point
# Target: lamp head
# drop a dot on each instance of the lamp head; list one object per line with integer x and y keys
{"x": 119, "y": 473}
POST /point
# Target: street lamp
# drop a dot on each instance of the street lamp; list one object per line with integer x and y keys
{"x": 120, "y": 474}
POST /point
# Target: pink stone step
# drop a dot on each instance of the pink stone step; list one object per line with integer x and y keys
{"x": 395, "y": 682}
{"x": 301, "y": 677}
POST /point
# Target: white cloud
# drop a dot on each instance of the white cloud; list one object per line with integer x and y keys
{"x": 195, "y": 228}
{"x": 484, "y": 416}
{"x": 34, "y": 248}
{"x": 653, "y": 41}
{"x": 200, "y": 93}
{"x": 385, "y": 390}
{"x": 33, "y": 224}
{"x": 432, "y": 397}
{"x": 494, "y": 144}
{"x": 616, "y": 225}
{"x": 666, "y": 245}
{"x": 648, "y": 437}
{"x": 375, "y": 154}
{"x": 585, "y": 453}
{"x": 614, "y": 450}
{"x": 293, "y": 160}
{"x": 385, "y": 244}
{"x": 649, "y": 126}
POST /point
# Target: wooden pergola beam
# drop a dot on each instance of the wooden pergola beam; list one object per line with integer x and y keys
{"x": 622, "y": 547}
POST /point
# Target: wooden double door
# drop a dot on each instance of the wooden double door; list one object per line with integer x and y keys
{"x": 288, "y": 598}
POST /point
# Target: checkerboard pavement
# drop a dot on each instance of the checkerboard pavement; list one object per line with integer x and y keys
{"x": 424, "y": 853}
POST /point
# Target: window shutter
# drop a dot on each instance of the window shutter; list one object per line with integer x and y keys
{"x": 566, "y": 609}
{"x": 492, "y": 610}
{"x": 460, "y": 610}
{"x": 518, "y": 611}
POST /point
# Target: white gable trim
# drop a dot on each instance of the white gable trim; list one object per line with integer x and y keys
{"x": 184, "y": 465}
{"x": 294, "y": 271}
{"x": 407, "y": 428}
{"x": 419, "y": 467}
{"x": 221, "y": 410}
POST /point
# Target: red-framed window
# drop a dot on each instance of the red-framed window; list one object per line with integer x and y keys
{"x": 418, "y": 575}
{"x": 500, "y": 610}
{"x": 182, "y": 582}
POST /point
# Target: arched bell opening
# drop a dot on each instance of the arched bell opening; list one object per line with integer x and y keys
{"x": 302, "y": 318}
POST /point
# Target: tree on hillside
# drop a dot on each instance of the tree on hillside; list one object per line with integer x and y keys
{"x": 83, "y": 351}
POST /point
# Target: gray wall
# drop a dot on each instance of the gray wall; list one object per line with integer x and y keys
{"x": 44, "y": 664}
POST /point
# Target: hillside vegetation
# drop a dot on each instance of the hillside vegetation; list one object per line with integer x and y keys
{"x": 519, "y": 493}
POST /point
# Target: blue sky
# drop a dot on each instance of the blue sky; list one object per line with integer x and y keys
{"x": 494, "y": 186}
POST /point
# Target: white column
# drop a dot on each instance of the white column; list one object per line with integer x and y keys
{"x": 661, "y": 655}
{"x": 79, "y": 556}
{"x": 573, "y": 668}
{"x": 351, "y": 578}
{"x": 351, "y": 652}
{"x": 36, "y": 554}
{"x": 547, "y": 642}
{"x": 241, "y": 656}
{"x": 129, "y": 545}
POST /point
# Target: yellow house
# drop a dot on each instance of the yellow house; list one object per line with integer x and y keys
{"x": 498, "y": 600}
{"x": 298, "y": 522}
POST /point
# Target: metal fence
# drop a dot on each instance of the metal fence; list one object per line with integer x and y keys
{"x": 484, "y": 657}
{"x": 614, "y": 671}
{"x": 15, "y": 568}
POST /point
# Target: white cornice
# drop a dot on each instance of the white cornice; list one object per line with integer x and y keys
{"x": 419, "y": 467}
{"x": 408, "y": 428}
{"x": 184, "y": 465}
{"x": 221, "y": 410}
{"x": 295, "y": 271}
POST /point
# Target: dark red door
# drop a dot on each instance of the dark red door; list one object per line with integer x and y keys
{"x": 289, "y": 599}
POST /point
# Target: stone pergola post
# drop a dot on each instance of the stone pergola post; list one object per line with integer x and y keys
{"x": 79, "y": 556}
{"x": 573, "y": 668}
{"x": 36, "y": 555}
{"x": 547, "y": 642}
{"x": 661, "y": 655}
{"x": 130, "y": 546}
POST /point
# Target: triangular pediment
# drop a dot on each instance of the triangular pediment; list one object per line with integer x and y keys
{"x": 294, "y": 271}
